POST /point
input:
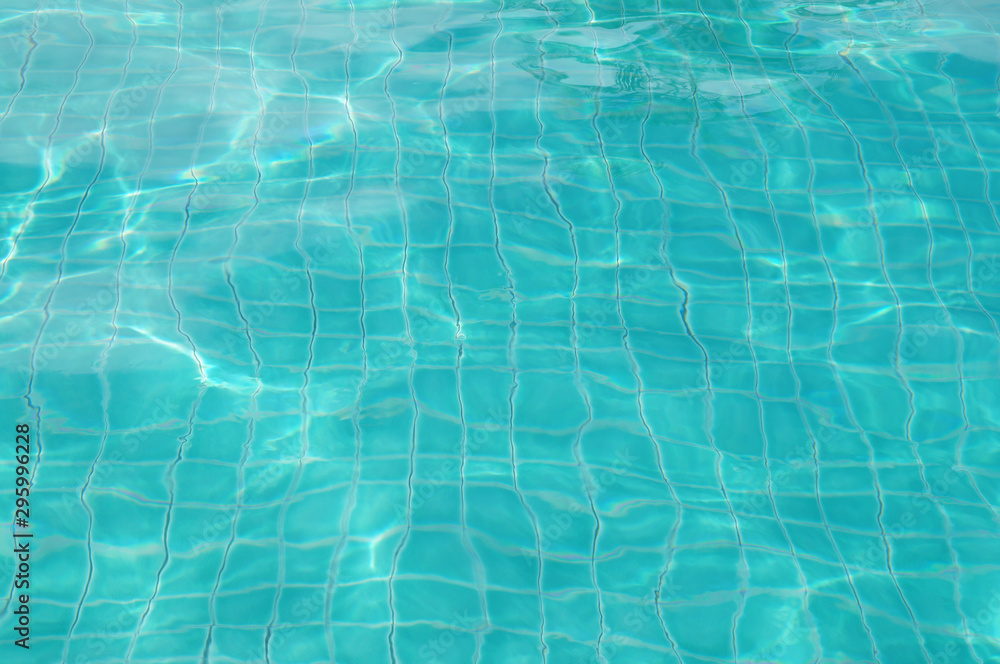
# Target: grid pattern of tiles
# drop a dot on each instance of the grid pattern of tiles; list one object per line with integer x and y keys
{"x": 505, "y": 332}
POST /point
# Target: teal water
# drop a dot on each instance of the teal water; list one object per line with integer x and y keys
{"x": 503, "y": 332}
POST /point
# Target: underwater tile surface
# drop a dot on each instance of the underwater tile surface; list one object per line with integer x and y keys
{"x": 502, "y": 332}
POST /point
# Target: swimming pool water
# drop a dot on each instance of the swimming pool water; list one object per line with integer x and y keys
{"x": 504, "y": 332}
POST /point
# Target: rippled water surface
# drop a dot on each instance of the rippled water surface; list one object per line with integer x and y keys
{"x": 503, "y": 332}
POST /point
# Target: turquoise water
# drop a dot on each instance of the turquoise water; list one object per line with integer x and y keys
{"x": 518, "y": 332}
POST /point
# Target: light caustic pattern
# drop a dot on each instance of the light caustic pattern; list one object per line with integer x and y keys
{"x": 505, "y": 332}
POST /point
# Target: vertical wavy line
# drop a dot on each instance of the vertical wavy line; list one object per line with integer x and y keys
{"x": 795, "y": 376}
{"x": 257, "y": 363}
{"x": 171, "y": 484}
{"x": 578, "y": 376}
{"x": 634, "y": 365}
{"x": 47, "y": 316}
{"x": 345, "y": 519}
{"x": 304, "y": 390}
{"x": 513, "y": 392}
{"x": 957, "y": 568}
{"x": 810, "y": 621}
{"x": 744, "y": 571}
{"x": 416, "y": 409}
{"x": 180, "y": 330}
{"x": 896, "y": 358}
{"x": 479, "y": 569}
